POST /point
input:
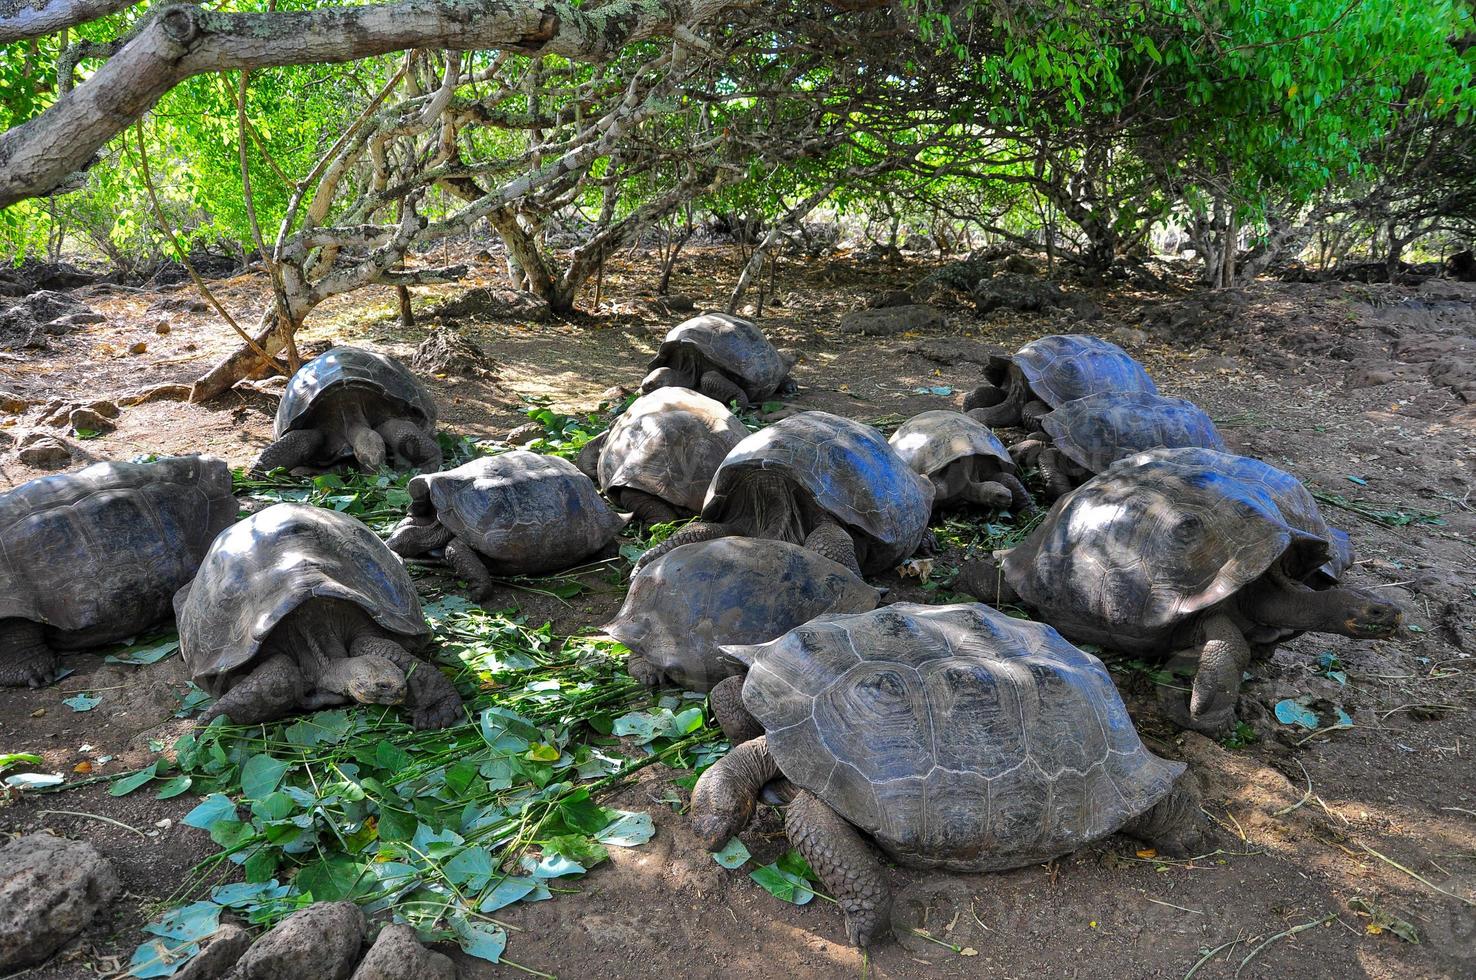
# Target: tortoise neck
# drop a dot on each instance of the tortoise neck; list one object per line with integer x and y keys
{"x": 1275, "y": 600}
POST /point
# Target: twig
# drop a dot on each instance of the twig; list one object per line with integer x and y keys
{"x": 1171, "y": 905}
{"x": 1209, "y": 956}
{"x": 1284, "y": 935}
{"x": 1305, "y": 798}
{"x": 1417, "y": 877}
{"x": 94, "y": 816}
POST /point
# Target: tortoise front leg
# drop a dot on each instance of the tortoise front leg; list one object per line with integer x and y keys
{"x": 845, "y": 864}
{"x": 691, "y": 534}
{"x": 411, "y": 537}
{"x": 834, "y": 542}
{"x": 432, "y": 696}
{"x": 296, "y": 448}
{"x": 25, "y": 659}
{"x": 409, "y": 445}
{"x": 726, "y": 702}
{"x": 727, "y": 792}
{"x": 1222, "y": 657}
{"x": 1056, "y": 471}
{"x": 648, "y": 508}
{"x": 271, "y": 691}
{"x": 467, "y": 564}
{"x": 717, "y": 387}
{"x": 637, "y": 666}
{"x": 1031, "y": 413}
{"x": 1020, "y": 502}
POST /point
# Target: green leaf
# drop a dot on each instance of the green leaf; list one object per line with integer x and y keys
{"x": 584, "y": 851}
{"x": 481, "y": 940}
{"x": 273, "y": 806}
{"x": 144, "y": 654}
{"x": 782, "y": 884}
{"x": 331, "y": 879}
{"x": 260, "y": 866}
{"x": 469, "y": 865}
{"x": 733, "y": 854}
{"x": 627, "y": 830}
{"x": 261, "y": 775}
{"x": 174, "y": 787}
{"x": 391, "y": 757}
{"x": 396, "y": 825}
{"x": 83, "y": 702}
{"x": 793, "y": 862}
{"x": 215, "y": 807}
{"x": 127, "y": 784}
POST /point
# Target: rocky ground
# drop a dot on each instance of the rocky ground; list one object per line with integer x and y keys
{"x": 1334, "y": 838}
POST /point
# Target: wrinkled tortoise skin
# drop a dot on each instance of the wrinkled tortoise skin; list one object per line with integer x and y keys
{"x": 1096, "y": 431}
{"x": 669, "y": 444}
{"x": 1160, "y": 537}
{"x": 1063, "y": 367}
{"x": 682, "y": 607}
{"x": 957, "y": 736}
{"x": 404, "y": 396}
{"x": 845, "y": 469}
{"x": 729, "y": 344}
{"x": 274, "y": 561}
{"x": 524, "y": 512}
{"x": 98, "y": 554}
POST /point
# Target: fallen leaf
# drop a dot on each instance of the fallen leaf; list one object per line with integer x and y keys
{"x": 83, "y": 766}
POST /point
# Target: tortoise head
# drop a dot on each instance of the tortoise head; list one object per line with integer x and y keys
{"x": 375, "y": 680}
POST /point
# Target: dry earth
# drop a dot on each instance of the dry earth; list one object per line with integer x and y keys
{"x": 1356, "y": 389}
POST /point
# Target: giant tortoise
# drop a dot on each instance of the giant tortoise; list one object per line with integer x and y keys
{"x": 350, "y": 403}
{"x": 724, "y": 357}
{"x": 95, "y": 556}
{"x": 298, "y": 608}
{"x": 955, "y": 737}
{"x": 1190, "y": 555}
{"x": 1050, "y": 372}
{"x": 965, "y": 461}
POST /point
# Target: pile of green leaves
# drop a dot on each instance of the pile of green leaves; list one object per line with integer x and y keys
{"x": 441, "y": 828}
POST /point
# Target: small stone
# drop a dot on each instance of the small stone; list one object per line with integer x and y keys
{"x": 50, "y": 889}
{"x": 321, "y": 940}
{"x": 39, "y": 713}
{"x": 86, "y": 420}
{"x": 162, "y": 327}
{"x": 105, "y": 408}
{"x": 12, "y": 404}
{"x": 217, "y": 954}
{"x": 46, "y": 452}
{"x": 524, "y": 434}
{"x": 888, "y": 320}
{"x": 397, "y": 954}
{"x": 138, "y": 348}
{"x": 164, "y": 824}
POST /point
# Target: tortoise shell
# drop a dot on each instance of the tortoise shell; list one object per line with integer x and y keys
{"x": 843, "y": 468}
{"x": 957, "y": 736}
{"x": 693, "y": 599}
{"x": 1063, "y": 367}
{"x": 668, "y": 444}
{"x": 1129, "y": 556}
{"x": 929, "y": 442}
{"x": 354, "y": 367}
{"x": 730, "y": 344}
{"x": 1097, "y": 430}
{"x": 526, "y": 513}
{"x": 269, "y": 564}
{"x": 97, "y": 554}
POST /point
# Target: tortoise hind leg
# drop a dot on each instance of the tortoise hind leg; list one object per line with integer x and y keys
{"x": 294, "y": 449}
{"x": 467, "y": 564}
{"x": 25, "y": 658}
{"x": 409, "y": 445}
{"x": 1174, "y": 826}
{"x": 271, "y": 691}
{"x": 717, "y": 387}
{"x": 845, "y": 864}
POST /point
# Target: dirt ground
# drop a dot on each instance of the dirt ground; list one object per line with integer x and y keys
{"x": 1356, "y": 389}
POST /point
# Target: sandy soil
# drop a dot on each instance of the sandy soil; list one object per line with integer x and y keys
{"x": 1356, "y": 389}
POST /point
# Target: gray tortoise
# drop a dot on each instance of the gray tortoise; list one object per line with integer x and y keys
{"x": 684, "y": 606}
{"x": 93, "y": 557}
{"x": 1050, "y": 372}
{"x": 724, "y": 357}
{"x": 658, "y": 457}
{"x": 965, "y": 461}
{"x": 1188, "y": 555}
{"x": 353, "y": 404}
{"x": 298, "y": 608}
{"x": 955, "y": 737}
{"x": 829, "y": 483}
{"x": 1085, "y": 436}
{"x": 518, "y": 513}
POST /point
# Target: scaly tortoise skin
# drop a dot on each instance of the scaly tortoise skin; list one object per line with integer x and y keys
{"x": 1200, "y": 557}
{"x": 95, "y": 556}
{"x": 659, "y": 456}
{"x": 1048, "y": 373}
{"x": 684, "y": 606}
{"x": 350, "y": 403}
{"x": 517, "y": 513}
{"x": 955, "y": 737}
{"x": 725, "y": 357}
{"x": 1085, "y": 436}
{"x": 817, "y": 479}
{"x": 295, "y": 595}
{"x": 963, "y": 458}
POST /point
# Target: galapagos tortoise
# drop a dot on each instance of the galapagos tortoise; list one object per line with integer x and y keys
{"x": 955, "y": 737}
{"x": 658, "y": 457}
{"x": 353, "y": 403}
{"x": 682, "y": 607}
{"x": 1179, "y": 553}
{"x": 95, "y": 556}
{"x": 829, "y": 483}
{"x": 724, "y": 357}
{"x": 1085, "y": 436}
{"x": 518, "y": 513}
{"x": 965, "y": 461}
{"x": 298, "y": 608}
{"x": 1050, "y": 372}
